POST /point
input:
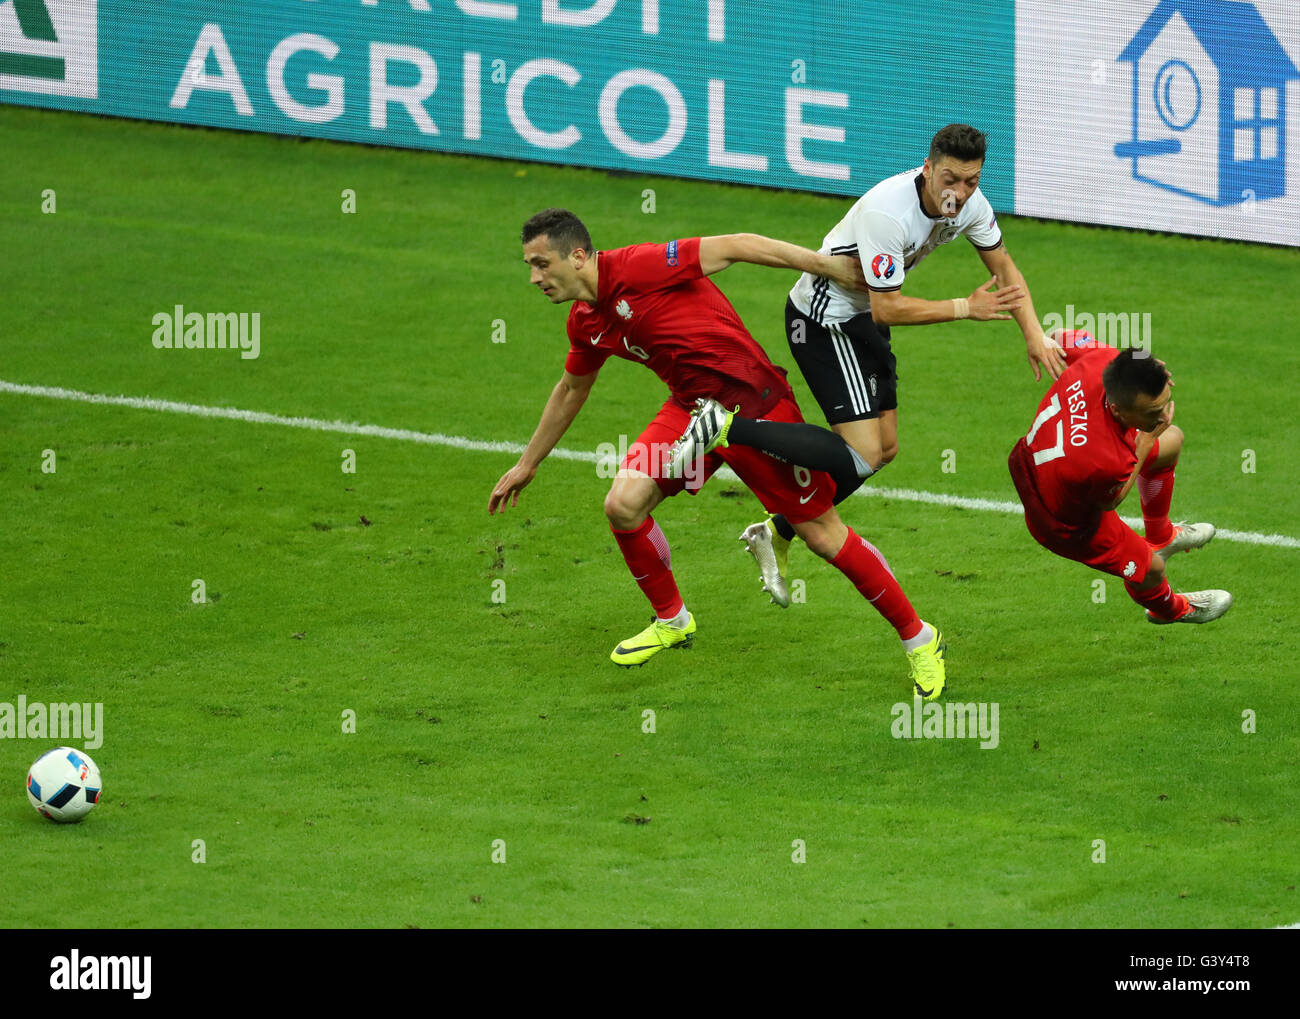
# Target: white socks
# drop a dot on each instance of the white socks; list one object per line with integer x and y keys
{"x": 921, "y": 639}
{"x": 679, "y": 621}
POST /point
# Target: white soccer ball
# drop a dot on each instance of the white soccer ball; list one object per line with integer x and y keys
{"x": 63, "y": 784}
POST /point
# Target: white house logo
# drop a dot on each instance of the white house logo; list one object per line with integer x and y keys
{"x": 50, "y": 46}
{"x": 1209, "y": 102}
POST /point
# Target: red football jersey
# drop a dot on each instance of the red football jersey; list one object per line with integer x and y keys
{"x": 1082, "y": 456}
{"x": 656, "y": 307}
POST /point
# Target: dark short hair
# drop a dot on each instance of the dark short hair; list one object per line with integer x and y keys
{"x": 1132, "y": 372}
{"x": 563, "y": 228}
{"x": 959, "y": 141}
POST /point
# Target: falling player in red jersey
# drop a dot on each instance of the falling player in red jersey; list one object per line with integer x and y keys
{"x": 1105, "y": 425}
{"x": 652, "y": 303}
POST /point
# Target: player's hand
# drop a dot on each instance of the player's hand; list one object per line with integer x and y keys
{"x": 1147, "y": 440}
{"x": 845, "y": 271}
{"x": 987, "y": 304}
{"x": 1045, "y": 354}
{"x": 508, "y": 488}
{"x": 1142, "y": 447}
{"x": 1166, "y": 419}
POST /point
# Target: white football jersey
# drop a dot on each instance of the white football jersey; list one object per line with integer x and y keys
{"x": 890, "y": 231}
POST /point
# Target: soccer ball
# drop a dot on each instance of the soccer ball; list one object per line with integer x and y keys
{"x": 63, "y": 784}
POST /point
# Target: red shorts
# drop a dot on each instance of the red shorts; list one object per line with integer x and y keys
{"x": 798, "y": 493}
{"x": 1108, "y": 544}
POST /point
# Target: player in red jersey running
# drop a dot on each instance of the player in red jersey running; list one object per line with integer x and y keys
{"x": 652, "y": 303}
{"x": 1106, "y": 424}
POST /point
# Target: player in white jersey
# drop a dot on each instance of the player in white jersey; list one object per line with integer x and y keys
{"x": 841, "y": 338}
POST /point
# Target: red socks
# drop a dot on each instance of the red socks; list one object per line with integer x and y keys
{"x": 1160, "y": 600}
{"x": 862, "y": 563}
{"x": 1156, "y": 490}
{"x": 651, "y": 562}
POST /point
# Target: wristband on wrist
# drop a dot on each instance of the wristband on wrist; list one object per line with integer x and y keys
{"x": 960, "y": 308}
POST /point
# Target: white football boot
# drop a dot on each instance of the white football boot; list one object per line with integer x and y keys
{"x": 1186, "y": 537}
{"x": 1205, "y": 607}
{"x": 771, "y": 552}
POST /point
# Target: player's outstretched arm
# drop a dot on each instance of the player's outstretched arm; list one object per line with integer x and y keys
{"x": 1042, "y": 354}
{"x": 892, "y": 308}
{"x": 566, "y": 399}
{"x": 717, "y": 253}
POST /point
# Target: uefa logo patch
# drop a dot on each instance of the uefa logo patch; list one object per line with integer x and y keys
{"x": 882, "y": 267}
{"x": 50, "y": 46}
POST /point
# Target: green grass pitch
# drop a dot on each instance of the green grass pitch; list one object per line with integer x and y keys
{"x": 480, "y": 720}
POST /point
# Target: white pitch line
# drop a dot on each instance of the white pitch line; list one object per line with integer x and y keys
{"x": 583, "y": 456}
